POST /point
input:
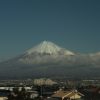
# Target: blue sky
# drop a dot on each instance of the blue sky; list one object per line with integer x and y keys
{"x": 73, "y": 24}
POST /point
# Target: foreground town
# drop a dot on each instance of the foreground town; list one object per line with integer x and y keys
{"x": 47, "y": 89}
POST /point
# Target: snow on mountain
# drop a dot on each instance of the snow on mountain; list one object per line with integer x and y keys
{"x": 49, "y": 48}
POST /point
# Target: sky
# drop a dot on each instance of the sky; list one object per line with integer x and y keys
{"x": 72, "y": 24}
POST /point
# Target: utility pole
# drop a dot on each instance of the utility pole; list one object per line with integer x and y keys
{"x": 41, "y": 92}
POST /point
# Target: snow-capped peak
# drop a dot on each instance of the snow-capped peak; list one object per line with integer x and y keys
{"x": 49, "y": 48}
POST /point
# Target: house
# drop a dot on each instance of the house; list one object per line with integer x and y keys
{"x": 4, "y": 94}
{"x": 3, "y": 98}
{"x": 33, "y": 94}
{"x": 67, "y": 95}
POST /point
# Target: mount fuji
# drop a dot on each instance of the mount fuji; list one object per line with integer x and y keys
{"x": 49, "y": 48}
{"x": 44, "y": 52}
{"x": 50, "y": 60}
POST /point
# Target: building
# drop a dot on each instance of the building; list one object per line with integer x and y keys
{"x": 3, "y": 98}
{"x": 67, "y": 95}
{"x": 4, "y": 94}
{"x": 33, "y": 94}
